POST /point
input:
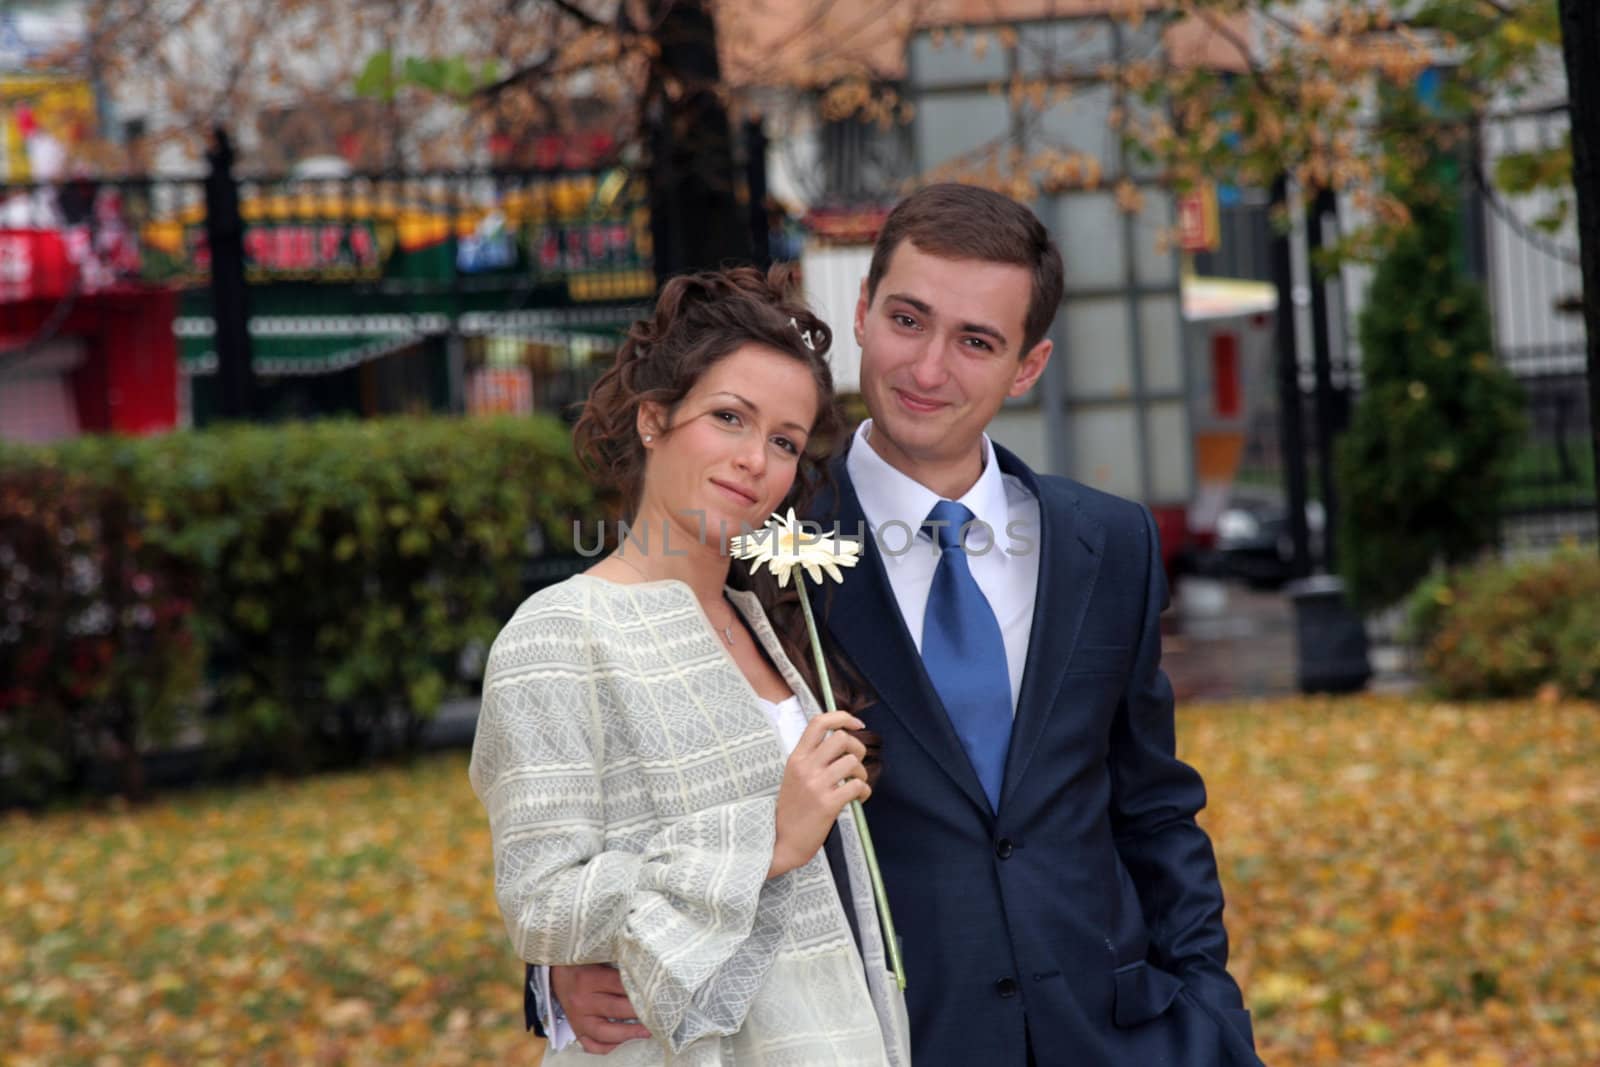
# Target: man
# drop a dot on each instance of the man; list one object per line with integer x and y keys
{"x": 1056, "y": 900}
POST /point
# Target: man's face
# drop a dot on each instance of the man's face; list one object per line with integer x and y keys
{"x": 940, "y": 352}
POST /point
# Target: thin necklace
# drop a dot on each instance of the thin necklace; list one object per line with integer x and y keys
{"x": 726, "y": 632}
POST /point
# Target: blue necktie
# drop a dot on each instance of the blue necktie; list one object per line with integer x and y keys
{"x": 965, "y": 654}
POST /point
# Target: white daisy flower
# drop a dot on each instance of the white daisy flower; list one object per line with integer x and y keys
{"x": 783, "y": 545}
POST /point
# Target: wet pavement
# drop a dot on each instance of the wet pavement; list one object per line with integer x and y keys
{"x": 1222, "y": 640}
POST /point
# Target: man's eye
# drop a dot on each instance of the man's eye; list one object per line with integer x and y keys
{"x": 980, "y": 343}
{"x": 905, "y": 320}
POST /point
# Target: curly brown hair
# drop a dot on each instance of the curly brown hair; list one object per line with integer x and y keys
{"x": 698, "y": 320}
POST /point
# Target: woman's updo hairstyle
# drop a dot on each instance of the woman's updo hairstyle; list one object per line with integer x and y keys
{"x": 698, "y": 320}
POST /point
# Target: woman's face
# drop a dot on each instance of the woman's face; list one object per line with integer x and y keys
{"x": 730, "y": 450}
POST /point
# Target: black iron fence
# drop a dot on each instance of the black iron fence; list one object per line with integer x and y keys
{"x": 1536, "y": 286}
{"x": 367, "y": 293}
{"x": 1535, "y": 290}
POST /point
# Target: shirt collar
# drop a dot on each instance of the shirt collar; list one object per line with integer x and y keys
{"x": 887, "y": 494}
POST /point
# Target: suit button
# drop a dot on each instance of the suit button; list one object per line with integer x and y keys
{"x": 1003, "y": 848}
{"x": 1006, "y": 987}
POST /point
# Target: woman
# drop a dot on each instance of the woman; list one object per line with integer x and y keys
{"x": 658, "y": 774}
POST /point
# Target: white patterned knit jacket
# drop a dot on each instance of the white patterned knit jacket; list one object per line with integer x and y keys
{"x": 631, "y": 782}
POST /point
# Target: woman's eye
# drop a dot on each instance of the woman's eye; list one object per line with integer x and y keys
{"x": 787, "y": 445}
{"x": 726, "y": 417}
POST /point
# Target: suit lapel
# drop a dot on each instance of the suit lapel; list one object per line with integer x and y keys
{"x": 1070, "y": 548}
{"x": 864, "y": 618}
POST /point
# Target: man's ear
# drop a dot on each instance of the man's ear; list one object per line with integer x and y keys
{"x": 1032, "y": 365}
{"x": 862, "y": 303}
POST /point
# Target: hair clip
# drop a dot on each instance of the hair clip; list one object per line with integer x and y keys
{"x": 805, "y": 335}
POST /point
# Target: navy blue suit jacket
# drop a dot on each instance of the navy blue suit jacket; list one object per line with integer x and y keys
{"x": 1084, "y": 919}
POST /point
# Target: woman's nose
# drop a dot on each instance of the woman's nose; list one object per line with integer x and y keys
{"x": 752, "y": 455}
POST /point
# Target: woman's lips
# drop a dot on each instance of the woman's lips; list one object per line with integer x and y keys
{"x": 743, "y": 496}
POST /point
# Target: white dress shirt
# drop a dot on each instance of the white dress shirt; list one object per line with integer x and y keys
{"x": 788, "y": 720}
{"x": 895, "y": 506}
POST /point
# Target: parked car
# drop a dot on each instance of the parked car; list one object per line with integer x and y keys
{"x": 1253, "y": 542}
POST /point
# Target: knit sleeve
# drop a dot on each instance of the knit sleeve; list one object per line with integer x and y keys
{"x": 690, "y": 919}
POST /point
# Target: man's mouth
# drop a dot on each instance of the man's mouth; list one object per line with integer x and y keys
{"x": 921, "y": 405}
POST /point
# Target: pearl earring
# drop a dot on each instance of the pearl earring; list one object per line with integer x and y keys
{"x": 648, "y": 438}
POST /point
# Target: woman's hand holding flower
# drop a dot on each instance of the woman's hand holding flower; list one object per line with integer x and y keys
{"x": 824, "y": 773}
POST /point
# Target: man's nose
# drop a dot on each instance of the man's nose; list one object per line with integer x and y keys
{"x": 928, "y": 369}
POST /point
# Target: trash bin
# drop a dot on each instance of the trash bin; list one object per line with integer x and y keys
{"x": 1330, "y": 637}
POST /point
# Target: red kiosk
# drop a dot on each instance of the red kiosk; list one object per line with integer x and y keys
{"x": 84, "y": 346}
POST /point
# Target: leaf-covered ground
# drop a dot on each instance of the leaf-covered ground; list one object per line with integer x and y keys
{"x": 1407, "y": 884}
{"x": 344, "y": 920}
{"x": 1410, "y": 883}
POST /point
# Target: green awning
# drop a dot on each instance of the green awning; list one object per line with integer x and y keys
{"x": 275, "y": 356}
{"x": 306, "y": 344}
{"x": 324, "y": 344}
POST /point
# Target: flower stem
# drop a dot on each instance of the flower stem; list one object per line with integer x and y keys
{"x": 880, "y": 897}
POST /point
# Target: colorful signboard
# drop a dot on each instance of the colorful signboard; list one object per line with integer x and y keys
{"x": 500, "y": 391}
{"x": 325, "y": 251}
{"x": 46, "y": 122}
{"x": 575, "y": 230}
{"x": 589, "y": 235}
{"x": 1199, "y": 222}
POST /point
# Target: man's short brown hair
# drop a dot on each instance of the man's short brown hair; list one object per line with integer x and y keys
{"x": 956, "y": 221}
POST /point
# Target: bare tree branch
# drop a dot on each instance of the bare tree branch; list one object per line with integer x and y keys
{"x": 550, "y": 63}
{"x": 578, "y": 13}
{"x": 1228, "y": 34}
{"x": 517, "y": 77}
{"x": 263, "y": 9}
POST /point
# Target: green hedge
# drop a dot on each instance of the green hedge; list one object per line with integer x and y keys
{"x": 331, "y": 574}
{"x": 97, "y": 651}
{"x": 1507, "y": 630}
